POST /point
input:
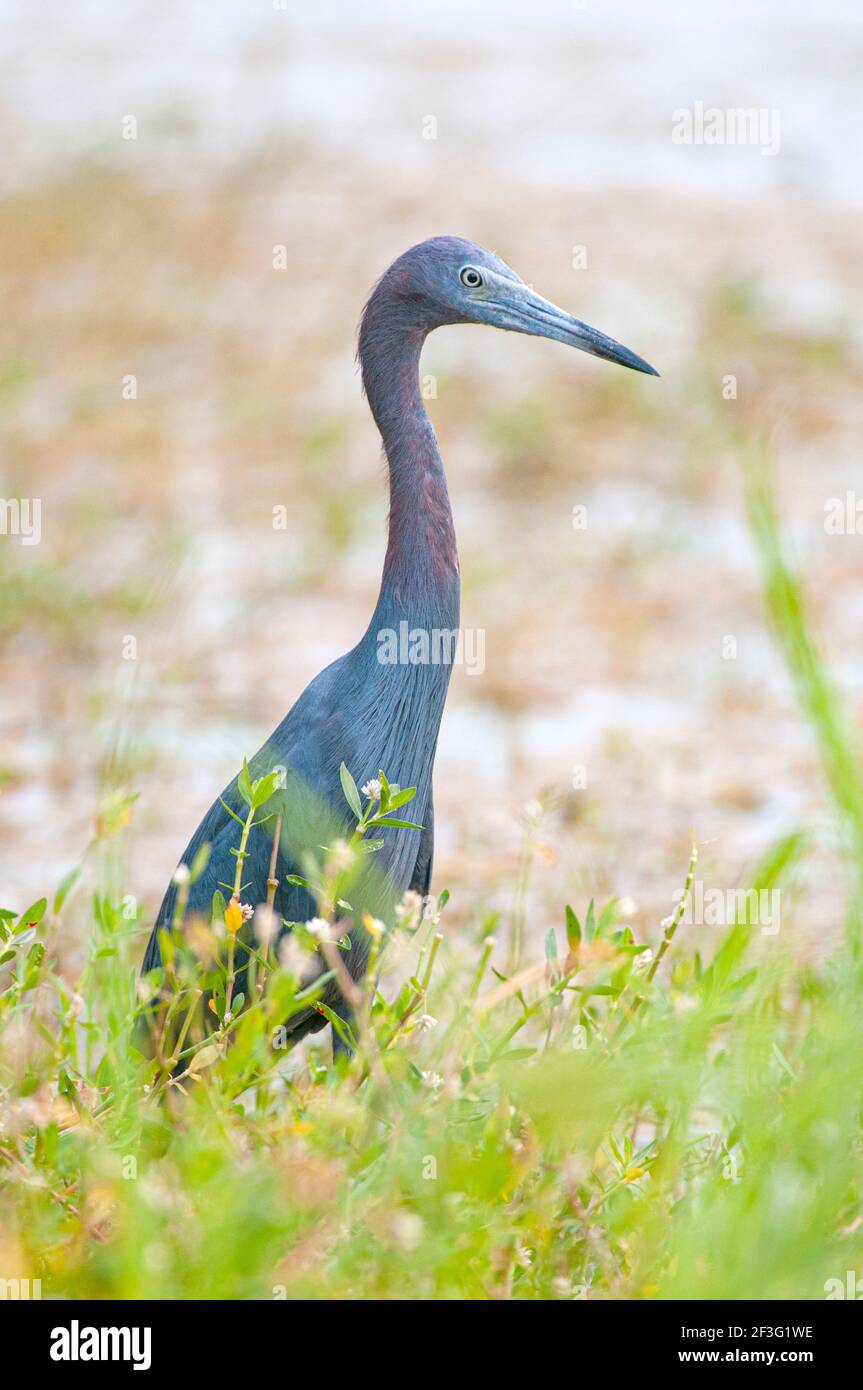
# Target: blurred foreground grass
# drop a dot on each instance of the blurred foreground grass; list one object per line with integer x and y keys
{"x": 604, "y": 1123}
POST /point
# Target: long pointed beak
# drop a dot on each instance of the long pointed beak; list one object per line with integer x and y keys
{"x": 527, "y": 312}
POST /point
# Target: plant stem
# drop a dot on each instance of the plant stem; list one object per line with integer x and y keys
{"x": 272, "y": 881}
{"x": 242, "y": 855}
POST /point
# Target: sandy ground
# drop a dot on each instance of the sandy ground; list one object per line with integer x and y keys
{"x": 629, "y": 683}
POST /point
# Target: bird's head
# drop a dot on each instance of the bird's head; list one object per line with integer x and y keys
{"x": 448, "y": 280}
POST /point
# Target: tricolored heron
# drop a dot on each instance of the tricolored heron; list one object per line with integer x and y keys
{"x": 367, "y": 713}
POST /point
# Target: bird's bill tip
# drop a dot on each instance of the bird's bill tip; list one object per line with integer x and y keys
{"x": 543, "y": 319}
{"x": 639, "y": 365}
{"x": 586, "y": 339}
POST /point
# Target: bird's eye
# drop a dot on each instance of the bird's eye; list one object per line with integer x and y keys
{"x": 470, "y": 276}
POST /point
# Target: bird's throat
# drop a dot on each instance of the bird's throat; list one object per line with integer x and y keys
{"x": 421, "y": 564}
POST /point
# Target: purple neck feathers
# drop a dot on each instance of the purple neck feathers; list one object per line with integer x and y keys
{"x": 421, "y": 560}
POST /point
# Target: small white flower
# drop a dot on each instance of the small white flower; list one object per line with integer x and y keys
{"x": 642, "y": 961}
{"x": 181, "y": 874}
{"x": 372, "y": 789}
{"x": 266, "y": 925}
{"x": 425, "y": 1023}
{"x": 684, "y": 1004}
{"x": 523, "y": 1256}
{"x": 316, "y": 926}
{"x": 432, "y": 1080}
{"x": 341, "y": 855}
{"x": 247, "y": 910}
{"x": 407, "y": 1230}
{"x": 410, "y": 907}
{"x": 292, "y": 957}
{"x": 430, "y": 912}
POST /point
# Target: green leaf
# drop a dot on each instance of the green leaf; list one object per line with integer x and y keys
{"x": 349, "y": 787}
{"x": 264, "y": 788}
{"x": 402, "y": 824}
{"x": 573, "y": 928}
{"x": 550, "y": 944}
{"x": 298, "y": 881}
{"x": 589, "y": 923}
{"x": 399, "y": 798}
{"x": 608, "y": 916}
{"x": 67, "y": 883}
{"x": 33, "y": 916}
{"x": 238, "y": 819}
{"x": 204, "y": 1058}
{"x": 343, "y": 1029}
{"x": 35, "y": 957}
{"x": 244, "y": 784}
{"x": 516, "y": 1054}
{"x": 104, "y": 1073}
{"x": 200, "y": 861}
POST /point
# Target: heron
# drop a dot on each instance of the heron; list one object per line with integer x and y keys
{"x": 361, "y": 711}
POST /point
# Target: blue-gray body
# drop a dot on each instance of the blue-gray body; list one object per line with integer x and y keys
{"x": 361, "y": 710}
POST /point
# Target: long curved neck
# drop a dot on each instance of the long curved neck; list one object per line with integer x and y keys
{"x": 421, "y": 565}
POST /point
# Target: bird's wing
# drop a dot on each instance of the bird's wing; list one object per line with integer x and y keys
{"x": 310, "y": 743}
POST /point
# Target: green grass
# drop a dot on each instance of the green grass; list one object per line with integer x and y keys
{"x": 598, "y": 1122}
